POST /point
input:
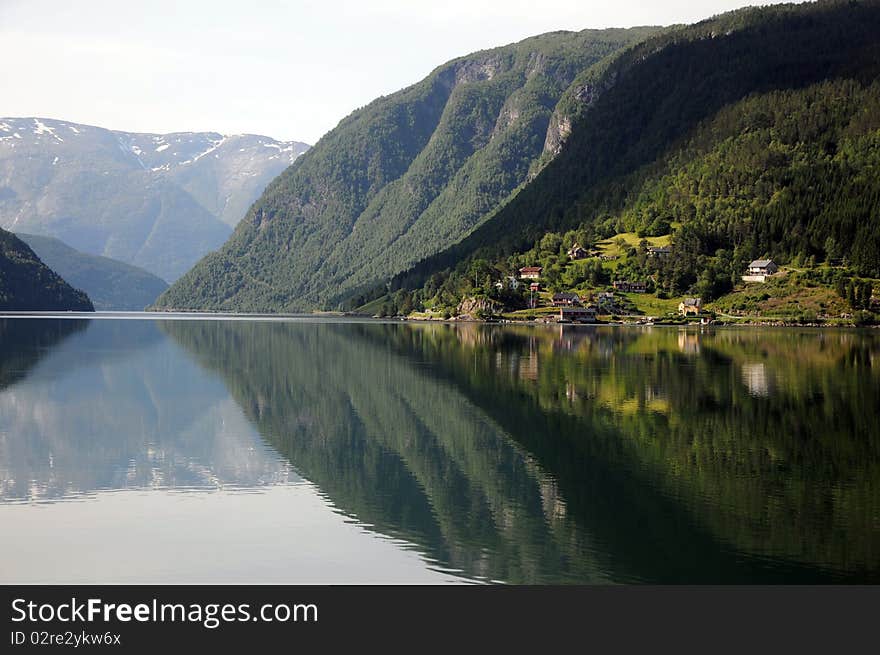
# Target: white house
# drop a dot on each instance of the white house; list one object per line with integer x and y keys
{"x": 759, "y": 270}
{"x": 763, "y": 267}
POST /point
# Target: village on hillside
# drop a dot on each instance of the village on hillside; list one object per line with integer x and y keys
{"x": 616, "y": 280}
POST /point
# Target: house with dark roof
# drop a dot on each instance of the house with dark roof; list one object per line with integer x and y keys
{"x": 565, "y": 299}
{"x": 630, "y": 287}
{"x": 690, "y": 306}
{"x": 577, "y": 252}
{"x": 530, "y": 272}
{"x": 763, "y": 267}
{"x": 759, "y": 270}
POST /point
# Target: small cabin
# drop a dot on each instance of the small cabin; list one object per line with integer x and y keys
{"x": 577, "y": 252}
{"x": 535, "y": 286}
{"x": 605, "y": 296}
{"x": 690, "y": 306}
{"x": 763, "y": 267}
{"x": 530, "y": 272}
{"x": 630, "y": 287}
{"x": 577, "y": 315}
{"x": 759, "y": 270}
{"x": 565, "y": 299}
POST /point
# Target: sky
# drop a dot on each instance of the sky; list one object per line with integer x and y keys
{"x": 286, "y": 69}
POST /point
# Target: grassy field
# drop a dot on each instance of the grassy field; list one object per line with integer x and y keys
{"x": 427, "y": 315}
{"x": 781, "y": 297}
{"x": 373, "y": 307}
{"x": 651, "y": 305}
{"x": 529, "y": 314}
{"x": 610, "y": 248}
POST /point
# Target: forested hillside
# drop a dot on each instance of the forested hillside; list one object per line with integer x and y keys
{"x": 397, "y": 180}
{"x": 27, "y": 284}
{"x": 753, "y": 134}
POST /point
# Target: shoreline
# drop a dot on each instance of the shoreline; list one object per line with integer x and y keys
{"x": 363, "y": 318}
{"x": 689, "y": 324}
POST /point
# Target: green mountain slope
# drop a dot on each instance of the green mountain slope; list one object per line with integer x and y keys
{"x": 756, "y": 131}
{"x": 111, "y": 285}
{"x": 28, "y": 284}
{"x": 402, "y": 178}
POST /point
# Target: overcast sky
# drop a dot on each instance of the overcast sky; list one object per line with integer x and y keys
{"x": 288, "y": 69}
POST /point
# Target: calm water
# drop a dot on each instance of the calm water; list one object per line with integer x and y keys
{"x": 327, "y": 451}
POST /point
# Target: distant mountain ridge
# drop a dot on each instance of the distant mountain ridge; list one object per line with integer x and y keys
{"x": 27, "y": 284}
{"x": 158, "y": 201}
{"x": 110, "y": 284}
{"x": 189, "y": 158}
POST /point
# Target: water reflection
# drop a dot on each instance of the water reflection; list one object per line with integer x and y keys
{"x": 584, "y": 454}
{"x": 519, "y": 454}
{"x": 24, "y": 342}
{"x": 786, "y": 478}
{"x": 116, "y": 405}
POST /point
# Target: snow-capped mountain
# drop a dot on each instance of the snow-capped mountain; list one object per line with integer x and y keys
{"x": 159, "y": 201}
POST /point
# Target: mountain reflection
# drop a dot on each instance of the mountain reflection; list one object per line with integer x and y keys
{"x": 23, "y": 342}
{"x": 577, "y": 455}
{"x": 105, "y": 405}
{"x": 517, "y": 454}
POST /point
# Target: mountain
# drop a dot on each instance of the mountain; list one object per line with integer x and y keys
{"x": 111, "y": 285}
{"x": 158, "y": 201}
{"x": 399, "y": 179}
{"x": 752, "y": 134}
{"x": 27, "y": 284}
